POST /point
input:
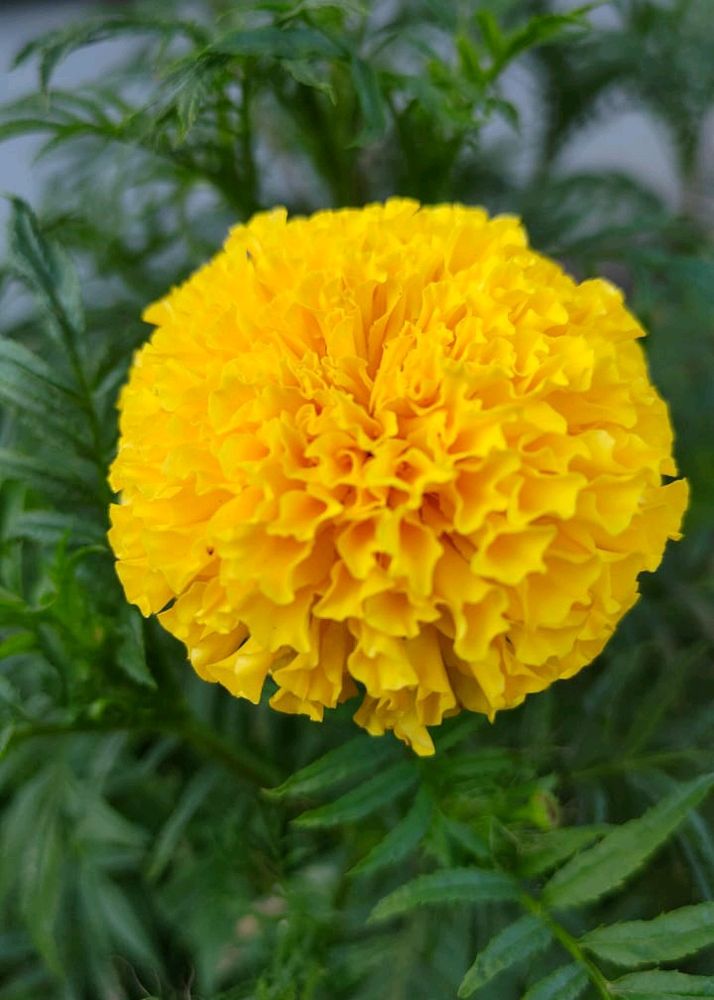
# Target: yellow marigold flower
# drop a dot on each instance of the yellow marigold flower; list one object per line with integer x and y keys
{"x": 393, "y": 450}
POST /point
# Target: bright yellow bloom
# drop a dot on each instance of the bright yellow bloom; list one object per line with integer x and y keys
{"x": 390, "y": 450}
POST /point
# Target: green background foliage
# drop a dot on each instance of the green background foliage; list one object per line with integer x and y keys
{"x": 161, "y": 839}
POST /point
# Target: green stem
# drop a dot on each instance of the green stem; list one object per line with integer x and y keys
{"x": 570, "y": 944}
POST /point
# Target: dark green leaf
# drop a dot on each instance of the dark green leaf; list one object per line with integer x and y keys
{"x": 277, "y": 43}
{"x": 57, "y": 474}
{"x": 454, "y": 885}
{"x": 46, "y": 267}
{"x": 602, "y": 868}
{"x": 352, "y": 759}
{"x": 555, "y": 846}
{"x": 131, "y": 652}
{"x": 365, "y": 799}
{"x": 46, "y": 527}
{"x": 663, "y": 986}
{"x": 516, "y": 943}
{"x": 401, "y": 839}
{"x": 371, "y": 102}
{"x": 665, "y": 939}
{"x": 566, "y": 983}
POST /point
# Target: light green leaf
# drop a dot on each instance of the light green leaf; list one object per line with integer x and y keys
{"x": 566, "y": 983}
{"x": 602, "y": 868}
{"x": 664, "y": 939}
{"x": 352, "y": 759}
{"x": 516, "y": 943}
{"x": 453, "y": 885}
{"x": 361, "y": 801}
{"x": 556, "y": 846}
{"x": 658, "y": 985}
{"x": 401, "y": 839}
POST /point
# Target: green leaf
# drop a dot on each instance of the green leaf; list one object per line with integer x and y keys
{"x": 46, "y": 267}
{"x": 362, "y": 801}
{"x": 277, "y": 43}
{"x": 32, "y": 857}
{"x": 602, "y": 868}
{"x": 659, "y": 985}
{"x": 516, "y": 943}
{"x": 566, "y": 983}
{"x": 58, "y": 474}
{"x": 453, "y": 885}
{"x": 191, "y": 799}
{"x": 665, "y": 939}
{"x": 401, "y": 839}
{"x": 47, "y": 527}
{"x": 131, "y": 652}
{"x": 554, "y": 847}
{"x": 53, "y": 47}
{"x": 364, "y": 753}
{"x": 371, "y": 102}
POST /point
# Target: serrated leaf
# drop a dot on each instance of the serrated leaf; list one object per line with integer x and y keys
{"x": 131, "y": 652}
{"x": 665, "y": 939}
{"x": 453, "y": 885}
{"x": 401, "y": 839}
{"x": 362, "y": 801}
{"x": 658, "y": 985}
{"x": 516, "y": 943}
{"x": 371, "y": 102}
{"x": 556, "y": 846}
{"x": 46, "y": 267}
{"x": 52, "y": 48}
{"x": 566, "y": 983}
{"x": 350, "y": 760}
{"x": 602, "y": 868}
{"x": 63, "y": 474}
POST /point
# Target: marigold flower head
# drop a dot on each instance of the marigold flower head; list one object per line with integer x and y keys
{"x": 390, "y": 450}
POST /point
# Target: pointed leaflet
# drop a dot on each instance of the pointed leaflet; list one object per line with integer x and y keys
{"x": 556, "y": 846}
{"x": 53, "y": 475}
{"x": 48, "y": 527}
{"x": 46, "y": 267}
{"x": 659, "y": 985}
{"x": 131, "y": 651}
{"x": 363, "y": 800}
{"x": 401, "y": 839}
{"x": 453, "y": 885}
{"x": 371, "y": 102}
{"x": 277, "y": 43}
{"x": 604, "y": 867}
{"x": 53, "y": 47}
{"x": 664, "y": 939}
{"x": 516, "y": 943}
{"x": 364, "y": 753}
{"x": 566, "y": 983}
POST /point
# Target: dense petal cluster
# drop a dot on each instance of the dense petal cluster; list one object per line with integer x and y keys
{"x": 390, "y": 450}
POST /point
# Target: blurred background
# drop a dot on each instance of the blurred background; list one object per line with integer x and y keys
{"x": 622, "y": 138}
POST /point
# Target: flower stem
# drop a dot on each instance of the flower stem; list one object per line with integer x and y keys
{"x": 571, "y": 945}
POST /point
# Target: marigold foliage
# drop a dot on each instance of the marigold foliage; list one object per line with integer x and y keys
{"x": 393, "y": 449}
